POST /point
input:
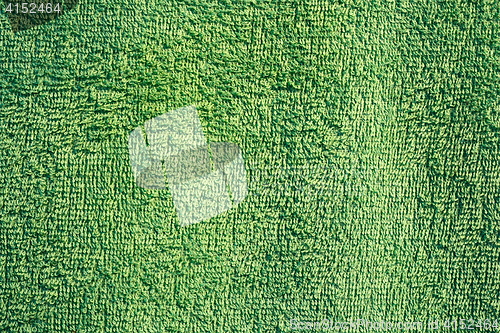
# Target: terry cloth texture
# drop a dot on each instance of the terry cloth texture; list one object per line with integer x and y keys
{"x": 370, "y": 132}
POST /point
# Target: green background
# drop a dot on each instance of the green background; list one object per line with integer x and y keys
{"x": 390, "y": 108}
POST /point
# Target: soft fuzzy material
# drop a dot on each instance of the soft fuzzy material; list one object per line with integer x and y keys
{"x": 370, "y": 132}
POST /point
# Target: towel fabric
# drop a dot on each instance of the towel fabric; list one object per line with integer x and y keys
{"x": 370, "y": 132}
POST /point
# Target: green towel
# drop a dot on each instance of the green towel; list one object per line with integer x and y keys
{"x": 370, "y": 132}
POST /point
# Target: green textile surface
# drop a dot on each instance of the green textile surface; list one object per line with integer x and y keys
{"x": 370, "y": 132}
